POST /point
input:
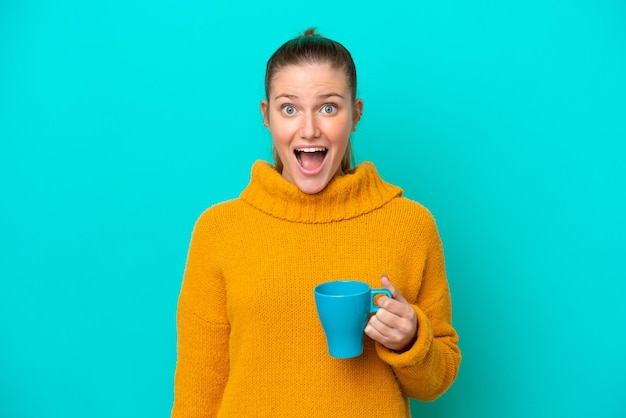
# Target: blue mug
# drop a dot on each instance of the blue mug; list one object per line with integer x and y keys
{"x": 343, "y": 308}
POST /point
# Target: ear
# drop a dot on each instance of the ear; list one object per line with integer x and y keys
{"x": 265, "y": 113}
{"x": 357, "y": 112}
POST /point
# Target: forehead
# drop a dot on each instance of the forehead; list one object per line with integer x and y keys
{"x": 309, "y": 78}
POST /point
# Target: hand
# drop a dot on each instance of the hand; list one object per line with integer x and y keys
{"x": 395, "y": 323}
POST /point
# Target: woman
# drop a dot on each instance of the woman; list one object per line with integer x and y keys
{"x": 249, "y": 340}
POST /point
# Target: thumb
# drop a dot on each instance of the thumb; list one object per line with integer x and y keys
{"x": 386, "y": 283}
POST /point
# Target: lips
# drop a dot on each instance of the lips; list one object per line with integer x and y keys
{"x": 310, "y": 159}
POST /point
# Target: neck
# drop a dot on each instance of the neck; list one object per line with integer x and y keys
{"x": 346, "y": 196}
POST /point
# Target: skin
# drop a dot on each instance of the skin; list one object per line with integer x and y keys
{"x": 310, "y": 105}
{"x": 395, "y": 324}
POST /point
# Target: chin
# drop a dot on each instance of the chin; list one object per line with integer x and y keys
{"x": 312, "y": 186}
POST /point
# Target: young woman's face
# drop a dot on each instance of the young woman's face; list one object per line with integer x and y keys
{"x": 310, "y": 114}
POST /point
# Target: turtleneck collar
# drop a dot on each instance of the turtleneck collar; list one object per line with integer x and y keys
{"x": 358, "y": 192}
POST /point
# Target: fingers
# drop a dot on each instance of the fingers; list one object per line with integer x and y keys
{"x": 395, "y": 324}
{"x": 397, "y": 304}
{"x": 397, "y": 337}
{"x": 386, "y": 283}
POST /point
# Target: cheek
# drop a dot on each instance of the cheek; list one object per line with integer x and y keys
{"x": 282, "y": 130}
{"x": 340, "y": 130}
{"x": 280, "y": 134}
{"x": 281, "y": 140}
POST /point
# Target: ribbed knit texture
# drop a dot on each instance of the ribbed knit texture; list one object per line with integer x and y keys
{"x": 249, "y": 339}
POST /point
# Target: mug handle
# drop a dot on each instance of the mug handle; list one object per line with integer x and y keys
{"x": 373, "y": 307}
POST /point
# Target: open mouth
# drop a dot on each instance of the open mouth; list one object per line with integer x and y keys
{"x": 310, "y": 158}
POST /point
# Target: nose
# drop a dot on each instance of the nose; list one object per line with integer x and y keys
{"x": 310, "y": 127}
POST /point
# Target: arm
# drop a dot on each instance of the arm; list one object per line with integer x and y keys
{"x": 416, "y": 338}
{"x": 203, "y": 330}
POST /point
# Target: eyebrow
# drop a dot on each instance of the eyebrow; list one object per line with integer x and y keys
{"x": 321, "y": 96}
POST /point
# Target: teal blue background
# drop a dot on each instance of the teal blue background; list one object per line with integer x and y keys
{"x": 120, "y": 121}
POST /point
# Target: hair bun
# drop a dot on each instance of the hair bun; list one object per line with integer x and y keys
{"x": 311, "y": 32}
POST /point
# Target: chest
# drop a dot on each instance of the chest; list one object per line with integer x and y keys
{"x": 272, "y": 266}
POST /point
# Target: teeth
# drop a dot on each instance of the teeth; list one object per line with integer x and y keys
{"x": 311, "y": 149}
{"x": 299, "y": 151}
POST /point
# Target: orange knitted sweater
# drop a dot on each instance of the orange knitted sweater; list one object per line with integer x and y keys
{"x": 249, "y": 339}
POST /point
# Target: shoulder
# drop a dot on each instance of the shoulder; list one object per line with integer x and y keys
{"x": 412, "y": 212}
{"x": 221, "y": 208}
{"x": 412, "y": 206}
{"x": 402, "y": 208}
{"x": 220, "y": 213}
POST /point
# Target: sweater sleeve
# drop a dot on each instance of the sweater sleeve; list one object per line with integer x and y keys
{"x": 428, "y": 368}
{"x": 203, "y": 331}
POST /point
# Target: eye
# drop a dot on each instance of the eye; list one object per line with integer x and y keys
{"x": 289, "y": 110}
{"x": 329, "y": 109}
